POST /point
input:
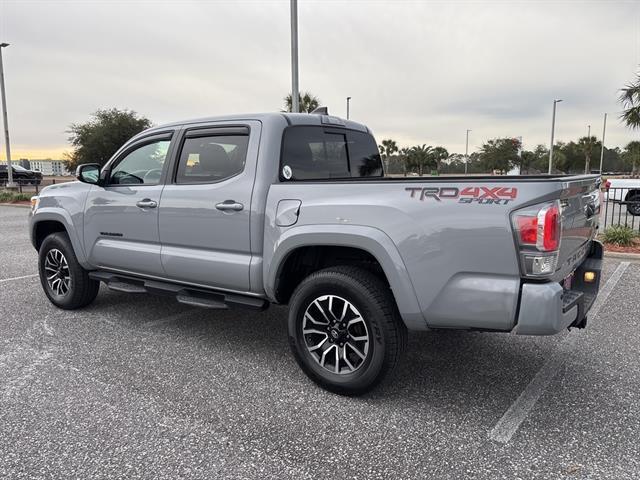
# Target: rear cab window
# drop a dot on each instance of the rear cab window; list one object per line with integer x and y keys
{"x": 323, "y": 153}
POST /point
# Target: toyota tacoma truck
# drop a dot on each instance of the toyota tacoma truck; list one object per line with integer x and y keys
{"x": 294, "y": 209}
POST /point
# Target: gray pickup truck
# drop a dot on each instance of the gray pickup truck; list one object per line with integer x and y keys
{"x": 294, "y": 209}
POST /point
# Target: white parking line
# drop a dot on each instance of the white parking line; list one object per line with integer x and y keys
{"x": 4, "y": 280}
{"x": 518, "y": 411}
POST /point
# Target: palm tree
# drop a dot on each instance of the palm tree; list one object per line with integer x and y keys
{"x": 404, "y": 158}
{"x": 419, "y": 156}
{"x": 630, "y": 100}
{"x": 308, "y": 102}
{"x": 438, "y": 154}
{"x": 586, "y": 144}
{"x": 387, "y": 148}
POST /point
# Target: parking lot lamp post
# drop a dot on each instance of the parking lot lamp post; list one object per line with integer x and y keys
{"x": 466, "y": 153}
{"x": 604, "y": 129}
{"x": 348, "y": 100}
{"x": 10, "y": 183}
{"x": 295, "y": 89}
{"x": 587, "y": 161}
{"x": 553, "y": 128}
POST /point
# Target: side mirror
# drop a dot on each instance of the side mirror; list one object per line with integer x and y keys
{"x": 88, "y": 173}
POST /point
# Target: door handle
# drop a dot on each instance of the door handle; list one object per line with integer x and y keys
{"x": 230, "y": 205}
{"x": 147, "y": 203}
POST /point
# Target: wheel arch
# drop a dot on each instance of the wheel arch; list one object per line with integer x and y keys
{"x": 340, "y": 245}
{"x": 47, "y": 221}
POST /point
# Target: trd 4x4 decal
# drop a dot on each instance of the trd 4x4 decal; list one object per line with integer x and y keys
{"x": 481, "y": 195}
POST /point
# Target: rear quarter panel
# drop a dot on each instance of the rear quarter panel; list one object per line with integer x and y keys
{"x": 459, "y": 254}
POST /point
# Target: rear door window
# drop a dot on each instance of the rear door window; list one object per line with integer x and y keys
{"x": 212, "y": 159}
{"x": 317, "y": 153}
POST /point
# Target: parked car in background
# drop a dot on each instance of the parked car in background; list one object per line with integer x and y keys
{"x": 20, "y": 175}
{"x": 625, "y": 190}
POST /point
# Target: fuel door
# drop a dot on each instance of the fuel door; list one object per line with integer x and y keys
{"x": 287, "y": 212}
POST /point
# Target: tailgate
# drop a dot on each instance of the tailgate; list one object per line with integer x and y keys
{"x": 580, "y": 202}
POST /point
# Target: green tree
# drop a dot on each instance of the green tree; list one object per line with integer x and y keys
{"x": 438, "y": 155}
{"x": 419, "y": 158}
{"x": 588, "y": 145}
{"x": 387, "y": 148}
{"x": 453, "y": 164}
{"x": 535, "y": 161}
{"x": 630, "y": 100}
{"x": 307, "y": 101}
{"x": 404, "y": 158}
{"x": 631, "y": 155}
{"x": 499, "y": 154}
{"x": 96, "y": 140}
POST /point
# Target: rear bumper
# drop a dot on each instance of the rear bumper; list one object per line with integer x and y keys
{"x": 547, "y": 308}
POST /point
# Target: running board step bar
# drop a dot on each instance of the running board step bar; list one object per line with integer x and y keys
{"x": 194, "y": 296}
{"x": 125, "y": 287}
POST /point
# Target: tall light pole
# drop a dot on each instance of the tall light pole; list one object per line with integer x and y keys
{"x": 295, "y": 90}
{"x": 348, "y": 100}
{"x": 553, "y": 128}
{"x": 604, "y": 129}
{"x": 6, "y": 122}
{"x": 466, "y": 153}
{"x": 520, "y": 155}
{"x": 587, "y": 156}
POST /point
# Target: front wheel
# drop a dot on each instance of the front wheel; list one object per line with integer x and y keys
{"x": 344, "y": 329}
{"x": 64, "y": 281}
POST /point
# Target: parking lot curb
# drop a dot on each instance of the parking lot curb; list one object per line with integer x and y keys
{"x": 22, "y": 205}
{"x": 627, "y": 256}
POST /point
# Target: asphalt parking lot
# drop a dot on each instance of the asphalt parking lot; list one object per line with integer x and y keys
{"x": 143, "y": 387}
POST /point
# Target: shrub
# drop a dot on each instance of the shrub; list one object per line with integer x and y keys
{"x": 11, "y": 197}
{"x": 619, "y": 235}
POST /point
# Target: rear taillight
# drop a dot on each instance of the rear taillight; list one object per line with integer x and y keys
{"x": 538, "y": 234}
{"x": 528, "y": 229}
{"x": 549, "y": 229}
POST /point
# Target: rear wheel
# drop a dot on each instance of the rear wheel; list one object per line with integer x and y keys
{"x": 633, "y": 208}
{"x": 344, "y": 329}
{"x": 64, "y": 281}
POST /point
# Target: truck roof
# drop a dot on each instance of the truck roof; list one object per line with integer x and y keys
{"x": 290, "y": 118}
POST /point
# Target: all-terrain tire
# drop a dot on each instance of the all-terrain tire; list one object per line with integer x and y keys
{"x": 57, "y": 260}
{"x": 371, "y": 300}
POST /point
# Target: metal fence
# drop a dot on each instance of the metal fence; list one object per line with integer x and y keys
{"x": 32, "y": 186}
{"x": 620, "y": 208}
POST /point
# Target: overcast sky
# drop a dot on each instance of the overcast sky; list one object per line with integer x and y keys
{"x": 417, "y": 71}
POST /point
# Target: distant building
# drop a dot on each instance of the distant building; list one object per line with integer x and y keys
{"x": 24, "y": 163}
{"x": 49, "y": 167}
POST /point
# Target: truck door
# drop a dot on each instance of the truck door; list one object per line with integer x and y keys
{"x": 206, "y": 206}
{"x": 121, "y": 217}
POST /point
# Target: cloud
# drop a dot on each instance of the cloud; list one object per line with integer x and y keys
{"x": 420, "y": 72}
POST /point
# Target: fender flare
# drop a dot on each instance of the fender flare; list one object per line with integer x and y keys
{"x": 63, "y": 217}
{"x": 369, "y": 239}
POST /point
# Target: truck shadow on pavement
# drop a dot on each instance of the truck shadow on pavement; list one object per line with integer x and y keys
{"x": 453, "y": 370}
